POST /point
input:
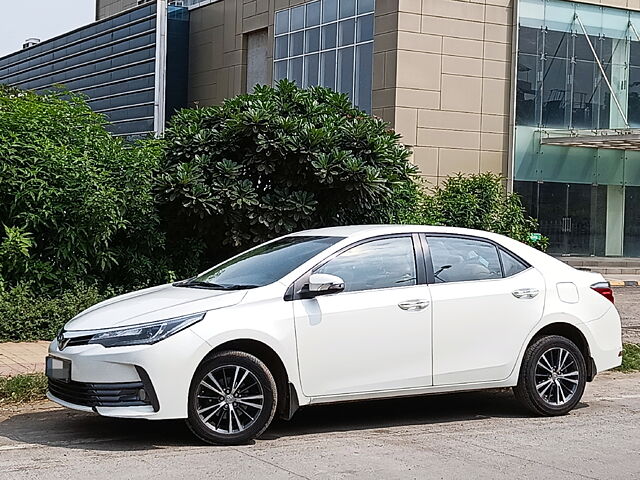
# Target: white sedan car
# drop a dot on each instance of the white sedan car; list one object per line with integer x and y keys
{"x": 336, "y": 314}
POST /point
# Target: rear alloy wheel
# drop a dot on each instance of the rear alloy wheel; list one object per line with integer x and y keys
{"x": 552, "y": 376}
{"x": 232, "y": 399}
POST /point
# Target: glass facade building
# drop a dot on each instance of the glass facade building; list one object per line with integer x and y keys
{"x": 578, "y": 76}
{"x": 328, "y": 43}
{"x": 114, "y": 62}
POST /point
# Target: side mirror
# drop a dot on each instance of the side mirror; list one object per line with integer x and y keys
{"x": 324, "y": 284}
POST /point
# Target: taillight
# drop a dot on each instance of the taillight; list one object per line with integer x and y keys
{"x": 603, "y": 289}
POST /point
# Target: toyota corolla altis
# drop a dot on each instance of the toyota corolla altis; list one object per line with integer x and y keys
{"x": 336, "y": 314}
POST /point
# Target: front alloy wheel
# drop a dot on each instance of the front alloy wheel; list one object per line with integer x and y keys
{"x": 552, "y": 376}
{"x": 232, "y": 399}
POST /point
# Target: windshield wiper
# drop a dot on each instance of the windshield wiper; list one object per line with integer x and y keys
{"x": 212, "y": 286}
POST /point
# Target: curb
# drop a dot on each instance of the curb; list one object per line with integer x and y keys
{"x": 625, "y": 283}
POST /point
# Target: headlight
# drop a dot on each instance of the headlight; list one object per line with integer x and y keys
{"x": 145, "y": 334}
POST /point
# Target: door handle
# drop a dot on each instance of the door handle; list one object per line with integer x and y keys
{"x": 414, "y": 305}
{"x": 525, "y": 292}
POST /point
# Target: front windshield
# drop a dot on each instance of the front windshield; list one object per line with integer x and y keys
{"x": 265, "y": 264}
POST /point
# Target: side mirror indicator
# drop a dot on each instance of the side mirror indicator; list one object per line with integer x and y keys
{"x": 324, "y": 284}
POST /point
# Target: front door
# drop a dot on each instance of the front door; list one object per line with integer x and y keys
{"x": 485, "y": 303}
{"x": 376, "y": 334}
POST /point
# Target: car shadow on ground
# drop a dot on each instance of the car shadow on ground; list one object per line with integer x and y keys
{"x": 76, "y": 430}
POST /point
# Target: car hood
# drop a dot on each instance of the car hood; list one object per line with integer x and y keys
{"x": 152, "y": 304}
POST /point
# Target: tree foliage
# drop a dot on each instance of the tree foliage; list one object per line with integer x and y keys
{"x": 478, "y": 201}
{"x": 278, "y": 160}
{"x": 75, "y": 202}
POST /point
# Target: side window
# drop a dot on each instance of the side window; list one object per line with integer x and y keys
{"x": 384, "y": 263}
{"x": 462, "y": 260}
{"x": 510, "y": 264}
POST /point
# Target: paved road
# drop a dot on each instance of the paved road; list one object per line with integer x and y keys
{"x": 472, "y": 435}
{"x": 628, "y": 303}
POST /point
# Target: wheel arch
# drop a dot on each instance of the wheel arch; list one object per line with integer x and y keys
{"x": 287, "y": 395}
{"x": 573, "y": 333}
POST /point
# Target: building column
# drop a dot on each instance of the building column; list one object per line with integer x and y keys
{"x": 614, "y": 235}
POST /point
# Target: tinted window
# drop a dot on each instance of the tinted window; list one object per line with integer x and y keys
{"x": 510, "y": 264}
{"x": 267, "y": 263}
{"x": 383, "y": 263}
{"x": 462, "y": 260}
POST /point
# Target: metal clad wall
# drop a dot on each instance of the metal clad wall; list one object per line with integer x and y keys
{"x": 111, "y": 61}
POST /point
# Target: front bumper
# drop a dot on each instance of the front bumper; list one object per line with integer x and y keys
{"x": 145, "y": 381}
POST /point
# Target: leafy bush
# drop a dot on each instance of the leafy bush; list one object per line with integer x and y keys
{"x": 76, "y": 203}
{"x": 630, "y": 358}
{"x": 23, "y": 388}
{"x": 477, "y": 201}
{"x": 26, "y": 315}
{"x": 278, "y": 160}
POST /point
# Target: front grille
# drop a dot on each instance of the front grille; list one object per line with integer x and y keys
{"x": 100, "y": 394}
{"x": 74, "y": 341}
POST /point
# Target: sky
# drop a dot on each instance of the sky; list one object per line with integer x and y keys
{"x": 43, "y": 19}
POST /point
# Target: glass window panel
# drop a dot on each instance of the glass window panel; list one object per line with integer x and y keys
{"x": 364, "y": 28}
{"x": 556, "y": 96}
{"x": 280, "y": 70}
{"x": 585, "y": 105}
{"x": 282, "y": 22}
{"x": 296, "y": 44}
{"x": 510, "y": 264}
{"x": 634, "y": 97}
{"x": 295, "y": 70}
{"x": 347, "y": 8}
{"x": 312, "y": 40}
{"x": 329, "y": 10}
{"x": 345, "y": 71}
{"x": 313, "y": 14}
{"x": 364, "y": 76}
{"x": 328, "y": 69}
{"x": 329, "y": 33}
{"x": 557, "y": 44}
{"x": 297, "y": 18}
{"x": 526, "y": 90}
{"x": 384, "y": 263}
{"x": 282, "y": 46}
{"x": 463, "y": 260}
{"x": 346, "y": 31}
{"x": 311, "y": 70}
{"x": 365, "y": 6}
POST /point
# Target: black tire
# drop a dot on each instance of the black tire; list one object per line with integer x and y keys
{"x": 224, "y": 364}
{"x": 545, "y": 399}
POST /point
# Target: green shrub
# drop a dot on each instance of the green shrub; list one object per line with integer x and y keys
{"x": 23, "y": 388}
{"x": 477, "y": 201}
{"x": 26, "y": 315}
{"x": 278, "y": 160}
{"x": 630, "y": 358}
{"x": 76, "y": 203}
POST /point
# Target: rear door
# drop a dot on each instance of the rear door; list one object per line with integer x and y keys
{"x": 485, "y": 302}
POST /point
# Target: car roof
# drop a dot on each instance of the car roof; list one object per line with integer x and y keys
{"x": 370, "y": 230}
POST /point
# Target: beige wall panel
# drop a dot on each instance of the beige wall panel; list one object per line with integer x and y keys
{"x": 409, "y": 22}
{"x": 461, "y": 94}
{"x": 419, "y": 42}
{"x": 452, "y": 161}
{"x": 456, "y": 139}
{"x": 457, "y": 9}
{"x": 462, "y": 47}
{"x": 418, "y": 70}
{"x": 467, "y": 66}
{"x": 406, "y": 97}
{"x": 411, "y": 6}
{"x": 494, "y": 162}
{"x": 406, "y": 123}
{"x": 426, "y": 158}
{"x": 445, "y": 120}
